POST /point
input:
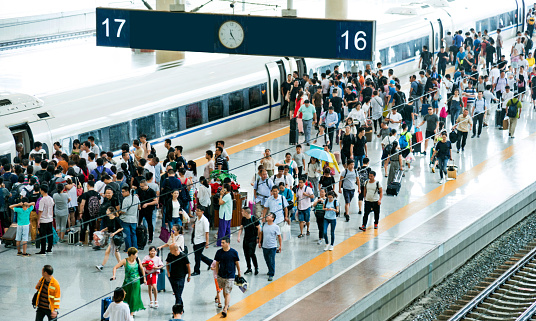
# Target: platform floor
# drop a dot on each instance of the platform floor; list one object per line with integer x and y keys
{"x": 302, "y": 266}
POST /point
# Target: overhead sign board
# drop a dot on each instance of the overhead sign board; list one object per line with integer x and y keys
{"x": 236, "y": 34}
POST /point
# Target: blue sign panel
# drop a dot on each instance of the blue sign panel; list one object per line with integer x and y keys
{"x": 235, "y": 34}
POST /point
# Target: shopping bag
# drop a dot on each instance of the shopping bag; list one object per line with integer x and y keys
{"x": 452, "y": 170}
{"x": 410, "y": 158}
{"x": 418, "y": 135}
{"x": 285, "y": 232}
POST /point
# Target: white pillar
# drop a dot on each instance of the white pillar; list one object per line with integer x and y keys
{"x": 163, "y": 56}
{"x": 289, "y": 11}
{"x": 336, "y": 9}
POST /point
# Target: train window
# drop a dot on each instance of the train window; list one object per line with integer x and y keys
{"x": 118, "y": 135}
{"x": 215, "y": 109}
{"x": 66, "y": 145}
{"x": 236, "y": 102}
{"x": 255, "y": 99}
{"x": 146, "y": 125}
{"x": 264, "y": 93}
{"x": 194, "y": 116}
{"x": 493, "y": 23}
{"x": 95, "y": 133}
{"x": 7, "y": 157}
{"x": 275, "y": 89}
{"x": 513, "y": 16}
{"x": 170, "y": 121}
{"x": 383, "y": 56}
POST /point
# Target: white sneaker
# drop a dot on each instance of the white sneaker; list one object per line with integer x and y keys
{"x": 327, "y": 247}
{"x": 99, "y": 267}
{"x": 319, "y": 242}
{"x": 330, "y": 248}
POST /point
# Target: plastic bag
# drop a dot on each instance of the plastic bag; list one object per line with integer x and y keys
{"x": 285, "y": 232}
{"x": 410, "y": 158}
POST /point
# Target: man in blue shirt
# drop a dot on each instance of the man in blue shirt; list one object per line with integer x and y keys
{"x": 478, "y": 112}
{"x": 391, "y": 94}
{"x": 458, "y": 39}
{"x": 261, "y": 191}
{"x": 332, "y": 121}
{"x": 309, "y": 117}
{"x": 97, "y": 172}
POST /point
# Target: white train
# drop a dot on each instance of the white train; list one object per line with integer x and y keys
{"x": 194, "y": 105}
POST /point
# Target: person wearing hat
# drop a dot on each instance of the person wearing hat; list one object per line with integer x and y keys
{"x": 309, "y": 118}
{"x": 332, "y": 121}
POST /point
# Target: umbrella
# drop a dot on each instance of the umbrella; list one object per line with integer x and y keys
{"x": 319, "y": 154}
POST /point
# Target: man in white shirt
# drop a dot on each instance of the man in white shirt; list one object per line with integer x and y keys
{"x": 276, "y": 204}
{"x": 150, "y": 165}
{"x": 84, "y": 150}
{"x": 304, "y": 195}
{"x": 394, "y": 119}
{"x": 91, "y": 164}
{"x": 201, "y": 233}
{"x": 209, "y": 167}
{"x": 94, "y": 148}
{"x": 506, "y": 96}
{"x": 38, "y": 150}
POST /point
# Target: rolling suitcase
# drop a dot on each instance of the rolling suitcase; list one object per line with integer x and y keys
{"x": 73, "y": 237}
{"x": 141, "y": 234}
{"x": 337, "y": 157}
{"x": 424, "y": 109}
{"x": 9, "y": 237}
{"x": 104, "y": 305}
{"x": 393, "y": 188}
{"x": 161, "y": 277}
{"x": 498, "y": 119}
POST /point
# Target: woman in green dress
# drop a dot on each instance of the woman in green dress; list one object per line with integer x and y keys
{"x": 131, "y": 284}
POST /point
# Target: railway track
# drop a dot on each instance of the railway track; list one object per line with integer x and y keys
{"x": 508, "y": 293}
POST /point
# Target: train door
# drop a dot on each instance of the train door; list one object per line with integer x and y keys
{"x": 293, "y": 66}
{"x": 274, "y": 90}
{"x": 301, "y": 67}
{"x": 441, "y": 34}
{"x": 435, "y": 41}
{"x": 22, "y": 134}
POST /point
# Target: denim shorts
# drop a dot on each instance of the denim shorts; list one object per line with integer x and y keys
{"x": 304, "y": 215}
{"x": 348, "y": 195}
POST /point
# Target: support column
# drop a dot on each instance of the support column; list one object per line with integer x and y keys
{"x": 336, "y": 9}
{"x": 163, "y": 56}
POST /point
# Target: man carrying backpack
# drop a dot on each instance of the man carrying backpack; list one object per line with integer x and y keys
{"x": 363, "y": 173}
{"x": 347, "y": 186}
{"x": 404, "y": 142}
{"x": 89, "y": 210}
{"x": 513, "y": 111}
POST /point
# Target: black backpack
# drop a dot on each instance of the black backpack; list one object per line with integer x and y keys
{"x": 420, "y": 89}
{"x": 41, "y": 175}
{"x": 100, "y": 174}
{"x": 16, "y": 194}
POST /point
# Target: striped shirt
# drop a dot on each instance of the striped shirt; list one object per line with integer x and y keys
{"x": 43, "y": 296}
{"x": 470, "y": 91}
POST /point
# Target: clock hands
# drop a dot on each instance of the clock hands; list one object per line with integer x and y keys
{"x": 231, "y": 32}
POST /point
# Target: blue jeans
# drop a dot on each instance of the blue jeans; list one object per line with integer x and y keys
{"x": 130, "y": 234}
{"x": 358, "y": 160}
{"x": 442, "y": 165}
{"x": 454, "y": 113}
{"x": 333, "y": 223}
{"x": 177, "y": 284}
{"x": 269, "y": 257}
{"x": 307, "y": 124}
{"x": 176, "y": 221}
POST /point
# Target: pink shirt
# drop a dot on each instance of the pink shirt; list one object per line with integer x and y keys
{"x": 157, "y": 262}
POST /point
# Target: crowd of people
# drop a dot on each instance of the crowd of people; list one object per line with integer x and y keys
{"x": 89, "y": 198}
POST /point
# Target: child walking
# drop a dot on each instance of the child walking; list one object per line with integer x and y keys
{"x": 152, "y": 264}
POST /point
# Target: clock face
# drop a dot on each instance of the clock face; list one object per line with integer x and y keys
{"x": 231, "y": 34}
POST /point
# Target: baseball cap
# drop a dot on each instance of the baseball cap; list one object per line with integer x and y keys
{"x": 392, "y": 82}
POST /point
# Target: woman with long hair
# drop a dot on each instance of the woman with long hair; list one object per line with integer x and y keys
{"x": 396, "y": 161}
{"x": 76, "y": 147}
{"x": 204, "y": 197}
{"x": 132, "y": 285}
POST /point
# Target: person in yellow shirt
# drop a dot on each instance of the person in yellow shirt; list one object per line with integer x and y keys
{"x": 530, "y": 60}
{"x": 333, "y": 164}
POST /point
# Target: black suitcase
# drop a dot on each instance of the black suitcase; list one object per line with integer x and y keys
{"x": 416, "y": 148}
{"x": 498, "y": 119}
{"x": 293, "y": 137}
{"x": 293, "y": 124}
{"x": 141, "y": 235}
{"x": 393, "y": 188}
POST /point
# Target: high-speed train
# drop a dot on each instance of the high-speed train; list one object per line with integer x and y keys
{"x": 194, "y": 105}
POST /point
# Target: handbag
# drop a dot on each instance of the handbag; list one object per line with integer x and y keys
{"x": 118, "y": 239}
{"x": 443, "y": 113}
{"x": 140, "y": 272}
{"x": 164, "y": 234}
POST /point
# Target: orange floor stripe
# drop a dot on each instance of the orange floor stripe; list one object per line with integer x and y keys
{"x": 255, "y": 300}
{"x": 250, "y": 143}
